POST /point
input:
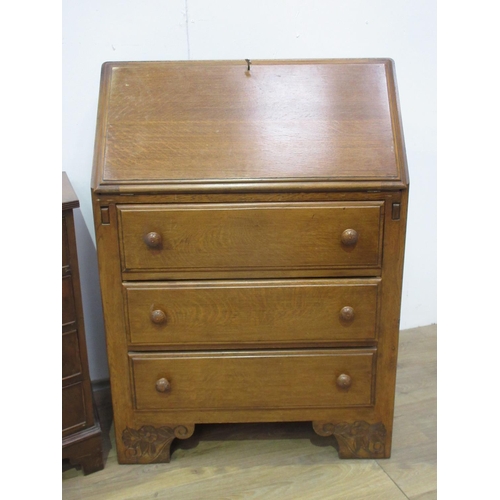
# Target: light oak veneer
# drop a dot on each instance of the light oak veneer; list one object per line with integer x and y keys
{"x": 250, "y": 229}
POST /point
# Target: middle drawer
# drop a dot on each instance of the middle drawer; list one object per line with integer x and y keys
{"x": 275, "y": 312}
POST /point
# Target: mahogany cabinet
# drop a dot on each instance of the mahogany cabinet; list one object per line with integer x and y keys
{"x": 250, "y": 224}
{"x": 81, "y": 431}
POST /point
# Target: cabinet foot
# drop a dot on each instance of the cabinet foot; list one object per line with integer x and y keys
{"x": 152, "y": 444}
{"x": 356, "y": 440}
{"x": 84, "y": 448}
{"x": 91, "y": 463}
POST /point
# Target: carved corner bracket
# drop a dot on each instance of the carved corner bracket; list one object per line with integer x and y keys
{"x": 152, "y": 444}
{"x": 356, "y": 440}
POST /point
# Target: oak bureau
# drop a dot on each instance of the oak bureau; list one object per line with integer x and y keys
{"x": 250, "y": 223}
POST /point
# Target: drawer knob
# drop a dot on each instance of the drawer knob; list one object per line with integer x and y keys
{"x": 158, "y": 316}
{"x": 344, "y": 381}
{"x": 347, "y": 313}
{"x": 163, "y": 385}
{"x": 349, "y": 237}
{"x": 153, "y": 240}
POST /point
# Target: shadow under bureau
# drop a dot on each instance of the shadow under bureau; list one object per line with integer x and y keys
{"x": 250, "y": 225}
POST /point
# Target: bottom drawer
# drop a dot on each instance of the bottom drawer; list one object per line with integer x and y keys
{"x": 326, "y": 378}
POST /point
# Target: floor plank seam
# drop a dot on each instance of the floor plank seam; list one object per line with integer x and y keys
{"x": 392, "y": 480}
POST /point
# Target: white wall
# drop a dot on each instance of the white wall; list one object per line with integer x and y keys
{"x": 95, "y": 31}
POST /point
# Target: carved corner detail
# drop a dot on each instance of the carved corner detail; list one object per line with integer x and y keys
{"x": 151, "y": 444}
{"x": 356, "y": 440}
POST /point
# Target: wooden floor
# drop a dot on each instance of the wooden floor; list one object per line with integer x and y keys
{"x": 285, "y": 461}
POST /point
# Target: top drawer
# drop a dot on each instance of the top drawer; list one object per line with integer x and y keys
{"x": 263, "y": 239}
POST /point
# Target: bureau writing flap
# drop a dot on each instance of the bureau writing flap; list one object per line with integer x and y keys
{"x": 180, "y": 125}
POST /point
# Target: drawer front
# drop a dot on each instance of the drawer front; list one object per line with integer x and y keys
{"x": 254, "y": 311}
{"x": 272, "y": 236}
{"x": 71, "y": 363}
{"x": 73, "y": 408}
{"x": 253, "y": 379}
{"x": 65, "y": 245}
{"x": 68, "y": 301}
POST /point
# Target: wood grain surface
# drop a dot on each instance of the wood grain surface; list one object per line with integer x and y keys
{"x": 194, "y": 313}
{"x": 235, "y": 380}
{"x": 212, "y": 237}
{"x": 81, "y": 433}
{"x": 194, "y": 118}
{"x": 293, "y": 171}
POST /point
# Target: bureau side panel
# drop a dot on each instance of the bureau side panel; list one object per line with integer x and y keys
{"x": 113, "y": 310}
{"x": 391, "y": 288}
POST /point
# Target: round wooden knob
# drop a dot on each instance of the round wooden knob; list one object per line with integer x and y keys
{"x": 349, "y": 237}
{"x": 152, "y": 239}
{"x": 347, "y": 313}
{"x": 344, "y": 381}
{"x": 163, "y": 385}
{"x": 158, "y": 316}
